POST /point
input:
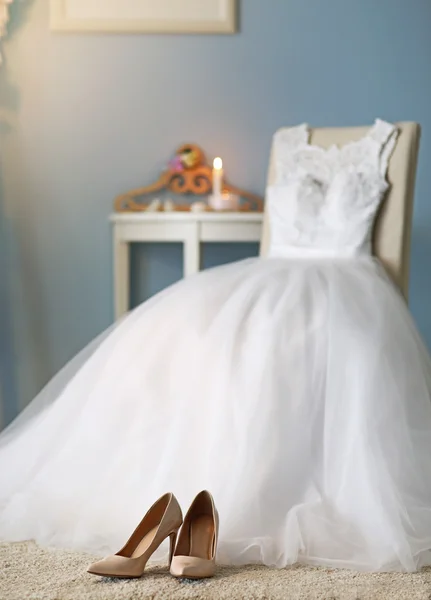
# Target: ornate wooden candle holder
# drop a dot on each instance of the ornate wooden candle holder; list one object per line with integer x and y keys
{"x": 187, "y": 173}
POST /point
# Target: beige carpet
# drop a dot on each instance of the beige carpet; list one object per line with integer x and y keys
{"x": 28, "y": 572}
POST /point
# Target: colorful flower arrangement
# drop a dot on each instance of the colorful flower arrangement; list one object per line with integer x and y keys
{"x": 185, "y": 158}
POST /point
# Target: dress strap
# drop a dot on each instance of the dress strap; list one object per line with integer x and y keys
{"x": 289, "y": 138}
{"x": 385, "y": 135}
{"x": 286, "y": 143}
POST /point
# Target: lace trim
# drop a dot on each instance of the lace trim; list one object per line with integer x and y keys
{"x": 296, "y": 156}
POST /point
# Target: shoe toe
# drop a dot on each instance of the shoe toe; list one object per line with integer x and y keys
{"x": 99, "y": 567}
{"x": 115, "y": 566}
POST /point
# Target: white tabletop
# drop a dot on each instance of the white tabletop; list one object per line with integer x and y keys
{"x": 188, "y": 216}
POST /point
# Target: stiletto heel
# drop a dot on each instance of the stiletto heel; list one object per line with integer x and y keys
{"x": 172, "y": 543}
{"x": 194, "y": 556}
{"x": 163, "y": 519}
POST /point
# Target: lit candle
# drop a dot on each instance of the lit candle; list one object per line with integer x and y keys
{"x": 217, "y": 177}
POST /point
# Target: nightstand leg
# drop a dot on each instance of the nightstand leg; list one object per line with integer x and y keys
{"x": 121, "y": 277}
{"x": 192, "y": 254}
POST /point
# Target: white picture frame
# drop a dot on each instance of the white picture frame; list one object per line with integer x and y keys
{"x": 144, "y": 16}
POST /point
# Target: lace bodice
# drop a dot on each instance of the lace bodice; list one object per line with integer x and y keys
{"x": 323, "y": 201}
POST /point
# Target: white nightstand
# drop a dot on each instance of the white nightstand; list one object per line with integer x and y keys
{"x": 187, "y": 227}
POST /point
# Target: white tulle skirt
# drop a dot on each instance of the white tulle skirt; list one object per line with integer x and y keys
{"x": 297, "y": 392}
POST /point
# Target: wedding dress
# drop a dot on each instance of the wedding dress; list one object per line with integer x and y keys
{"x": 294, "y": 387}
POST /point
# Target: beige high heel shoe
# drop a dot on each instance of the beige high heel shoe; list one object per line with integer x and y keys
{"x": 163, "y": 519}
{"x": 194, "y": 555}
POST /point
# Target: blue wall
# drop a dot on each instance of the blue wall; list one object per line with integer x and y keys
{"x": 84, "y": 117}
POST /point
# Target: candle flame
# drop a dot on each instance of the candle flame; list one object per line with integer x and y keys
{"x": 218, "y": 163}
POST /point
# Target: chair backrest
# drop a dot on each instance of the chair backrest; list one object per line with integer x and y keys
{"x": 391, "y": 236}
